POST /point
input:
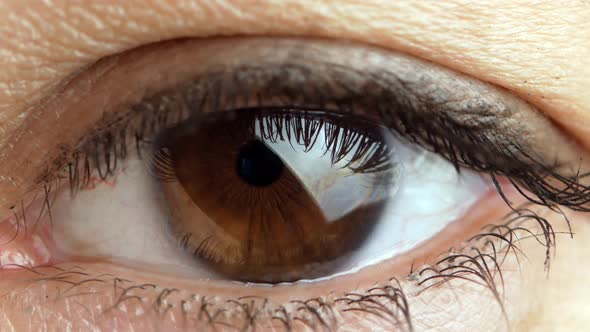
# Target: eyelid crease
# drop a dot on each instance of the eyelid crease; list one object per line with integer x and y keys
{"x": 352, "y": 78}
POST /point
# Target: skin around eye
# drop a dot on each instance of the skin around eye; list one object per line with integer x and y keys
{"x": 132, "y": 239}
{"x": 539, "y": 51}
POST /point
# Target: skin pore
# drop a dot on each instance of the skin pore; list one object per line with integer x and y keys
{"x": 540, "y": 52}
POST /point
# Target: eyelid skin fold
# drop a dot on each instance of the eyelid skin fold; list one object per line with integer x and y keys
{"x": 346, "y": 76}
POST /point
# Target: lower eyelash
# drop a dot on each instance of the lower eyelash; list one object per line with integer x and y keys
{"x": 479, "y": 261}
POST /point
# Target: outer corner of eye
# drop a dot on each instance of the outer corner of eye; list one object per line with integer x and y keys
{"x": 322, "y": 178}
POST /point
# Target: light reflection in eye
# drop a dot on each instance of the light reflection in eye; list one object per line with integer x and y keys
{"x": 405, "y": 199}
{"x": 293, "y": 193}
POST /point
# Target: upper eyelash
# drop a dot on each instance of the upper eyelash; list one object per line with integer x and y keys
{"x": 351, "y": 141}
{"x": 473, "y": 140}
{"x": 505, "y": 157}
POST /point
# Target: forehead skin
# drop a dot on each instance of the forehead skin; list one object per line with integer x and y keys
{"x": 539, "y": 51}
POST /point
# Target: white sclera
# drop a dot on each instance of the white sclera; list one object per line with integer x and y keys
{"x": 129, "y": 221}
{"x": 336, "y": 188}
{"x": 125, "y": 220}
{"x": 431, "y": 195}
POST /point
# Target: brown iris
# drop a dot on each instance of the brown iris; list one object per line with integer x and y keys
{"x": 243, "y": 202}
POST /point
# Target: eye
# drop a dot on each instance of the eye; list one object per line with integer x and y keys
{"x": 278, "y": 195}
{"x": 293, "y": 162}
{"x": 292, "y": 192}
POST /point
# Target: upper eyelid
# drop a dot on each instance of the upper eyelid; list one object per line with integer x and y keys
{"x": 450, "y": 39}
{"x": 105, "y": 68}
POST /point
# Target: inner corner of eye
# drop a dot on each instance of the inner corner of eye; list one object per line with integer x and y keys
{"x": 267, "y": 196}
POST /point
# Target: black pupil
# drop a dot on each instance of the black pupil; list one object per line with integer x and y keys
{"x": 258, "y": 165}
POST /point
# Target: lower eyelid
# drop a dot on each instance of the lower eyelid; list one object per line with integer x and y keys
{"x": 84, "y": 294}
{"x": 75, "y": 280}
{"x": 92, "y": 295}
